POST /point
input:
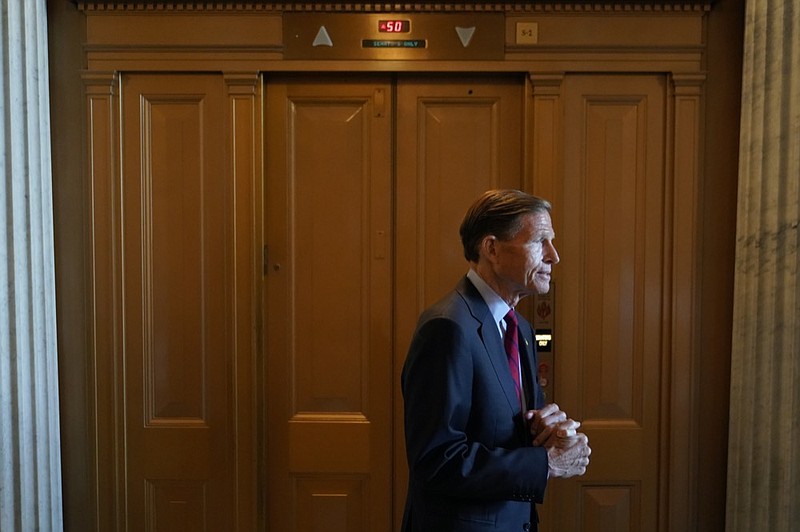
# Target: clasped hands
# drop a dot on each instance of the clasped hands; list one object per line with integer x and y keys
{"x": 567, "y": 449}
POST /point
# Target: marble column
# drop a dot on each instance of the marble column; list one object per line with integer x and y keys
{"x": 30, "y": 456}
{"x": 763, "y": 456}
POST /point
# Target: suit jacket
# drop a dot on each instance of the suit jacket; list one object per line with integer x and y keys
{"x": 471, "y": 464}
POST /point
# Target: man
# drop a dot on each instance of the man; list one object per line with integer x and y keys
{"x": 481, "y": 444}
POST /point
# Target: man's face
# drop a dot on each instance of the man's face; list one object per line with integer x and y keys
{"x": 522, "y": 265}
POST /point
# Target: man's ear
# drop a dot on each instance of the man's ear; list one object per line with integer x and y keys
{"x": 488, "y": 247}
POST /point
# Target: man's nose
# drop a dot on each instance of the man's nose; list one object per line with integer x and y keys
{"x": 550, "y": 253}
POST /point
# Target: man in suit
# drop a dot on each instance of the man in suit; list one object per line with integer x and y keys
{"x": 481, "y": 444}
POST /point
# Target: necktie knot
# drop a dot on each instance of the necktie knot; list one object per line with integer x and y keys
{"x": 511, "y": 319}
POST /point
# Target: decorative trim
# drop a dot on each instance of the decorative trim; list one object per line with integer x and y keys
{"x": 548, "y": 83}
{"x": 688, "y": 83}
{"x": 546, "y": 6}
{"x": 242, "y": 83}
{"x": 106, "y": 80}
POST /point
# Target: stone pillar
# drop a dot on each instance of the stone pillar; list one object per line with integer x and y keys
{"x": 763, "y": 461}
{"x": 30, "y": 455}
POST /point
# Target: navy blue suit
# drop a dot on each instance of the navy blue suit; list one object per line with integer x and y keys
{"x": 471, "y": 464}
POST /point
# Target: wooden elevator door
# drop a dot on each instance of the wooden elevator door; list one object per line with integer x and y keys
{"x": 328, "y": 305}
{"x": 367, "y": 181}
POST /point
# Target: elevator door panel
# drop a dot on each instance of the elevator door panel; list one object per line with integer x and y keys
{"x": 456, "y": 138}
{"x": 328, "y": 341}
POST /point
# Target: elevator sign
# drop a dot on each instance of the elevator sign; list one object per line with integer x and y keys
{"x": 427, "y": 36}
{"x": 394, "y": 43}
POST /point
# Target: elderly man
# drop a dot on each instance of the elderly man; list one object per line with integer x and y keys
{"x": 481, "y": 443}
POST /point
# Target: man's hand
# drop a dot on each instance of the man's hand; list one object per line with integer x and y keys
{"x": 569, "y": 457}
{"x": 544, "y": 423}
{"x": 567, "y": 449}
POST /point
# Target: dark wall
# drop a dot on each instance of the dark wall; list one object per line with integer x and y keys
{"x": 66, "y": 35}
{"x": 723, "y": 101}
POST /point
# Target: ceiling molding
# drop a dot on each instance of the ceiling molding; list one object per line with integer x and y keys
{"x": 536, "y": 6}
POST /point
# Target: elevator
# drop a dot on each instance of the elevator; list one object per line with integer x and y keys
{"x": 367, "y": 180}
{"x": 272, "y": 203}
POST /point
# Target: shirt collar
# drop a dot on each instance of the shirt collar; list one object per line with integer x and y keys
{"x": 497, "y": 306}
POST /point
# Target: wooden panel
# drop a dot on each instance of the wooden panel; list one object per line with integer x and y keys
{"x": 182, "y": 29}
{"x": 306, "y": 432}
{"x": 666, "y": 31}
{"x": 456, "y": 138}
{"x": 177, "y": 251}
{"x": 545, "y": 134}
{"x": 329, "y": 298}
{"x": 609, "y": 508}
{"x": 104, "y": 374}
{"x": 687, "y": 223}
{"x": 609, "y": 321}
{"x": 329, "y": 139}
{"x": 178, "y": 291}
{"x": 175, "y": 505}
{"x": 331, "y": 504}
{"x": 243, "y": 136}
{"x": 615, "y": 143}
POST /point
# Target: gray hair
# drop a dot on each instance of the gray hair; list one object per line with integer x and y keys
{"x": 498, "y": 213}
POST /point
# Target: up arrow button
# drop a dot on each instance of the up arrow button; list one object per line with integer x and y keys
{"x": 322, "y": 38}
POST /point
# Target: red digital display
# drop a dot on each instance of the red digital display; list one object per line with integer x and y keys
{"x": 394, "y": 26}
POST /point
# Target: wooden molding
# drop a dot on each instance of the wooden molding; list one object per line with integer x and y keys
{"x": 565, "y": 6}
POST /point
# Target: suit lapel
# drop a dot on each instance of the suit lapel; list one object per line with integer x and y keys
{"x": 491, "y": 340}
{"x": 528, "y": 369}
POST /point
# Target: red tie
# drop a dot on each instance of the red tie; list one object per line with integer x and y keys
{"x": 512, "y": 348}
